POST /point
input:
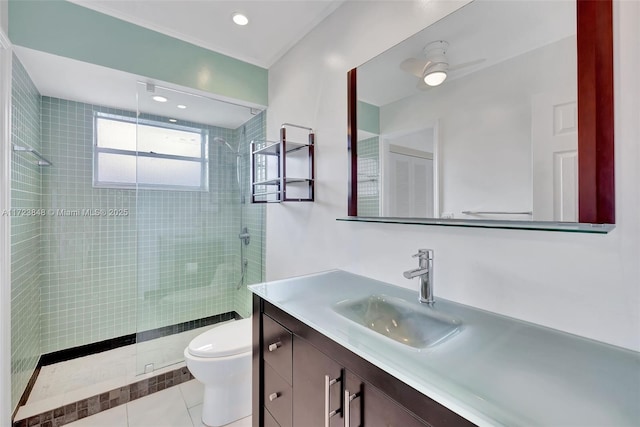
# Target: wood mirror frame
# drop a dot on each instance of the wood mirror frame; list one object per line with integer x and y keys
{"x": 596, "y": 190}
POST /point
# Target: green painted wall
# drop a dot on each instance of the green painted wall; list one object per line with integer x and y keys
{"x": 72, "y": 31}
{"x": 368, "y": 117}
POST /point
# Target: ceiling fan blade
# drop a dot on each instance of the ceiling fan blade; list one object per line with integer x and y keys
{"x": 414, "y": 66}
{"x": 466, "y": 64}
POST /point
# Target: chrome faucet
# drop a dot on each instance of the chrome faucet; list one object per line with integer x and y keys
{"x": 425, "y": 272}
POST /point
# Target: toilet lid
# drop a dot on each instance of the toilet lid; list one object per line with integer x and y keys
{"x": 224, "y": 340}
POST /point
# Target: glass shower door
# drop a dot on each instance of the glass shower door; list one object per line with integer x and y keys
{"x": 189, "y": 183}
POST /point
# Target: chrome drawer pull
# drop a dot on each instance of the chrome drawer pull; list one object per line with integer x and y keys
{"x": 275, "y": 346}
{"x": 273, "y": 396}
{"x": 328, "y": 382}
{"x": 347, "y": 406}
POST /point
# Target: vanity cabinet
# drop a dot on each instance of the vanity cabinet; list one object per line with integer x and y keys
{"x": 301, "y": 378}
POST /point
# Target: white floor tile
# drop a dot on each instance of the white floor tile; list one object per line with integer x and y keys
{"x": 245, "y": 422}
{"x": 115, "y": 417}
{"x": 196, "y": 418}
{"x": 192, "y": 392}
{"x": 163, "y": 409}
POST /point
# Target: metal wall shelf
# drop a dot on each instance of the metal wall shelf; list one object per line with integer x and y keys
{"x": 269, "y": 168}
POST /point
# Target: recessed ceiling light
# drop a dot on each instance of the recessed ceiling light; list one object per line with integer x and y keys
{"x": 159, "y": 98}
{"x": 180, "y": 106}
{"x": 240, "y": 18}
{"x": 173, "y": 120}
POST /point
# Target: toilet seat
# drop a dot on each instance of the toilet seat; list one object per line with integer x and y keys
{"x": 226, "y": 340}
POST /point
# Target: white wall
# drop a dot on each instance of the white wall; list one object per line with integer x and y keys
{"x": 584, "y": 284}
{"x": 484, "y": 127}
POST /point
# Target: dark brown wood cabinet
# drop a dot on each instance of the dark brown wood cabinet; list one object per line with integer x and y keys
{"x": 301, "y": 378}
{"x": 369, "y": 406}
{"x": 316, "y": 377}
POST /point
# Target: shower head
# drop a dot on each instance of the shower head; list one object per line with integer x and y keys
{"x": 220, "y": 140}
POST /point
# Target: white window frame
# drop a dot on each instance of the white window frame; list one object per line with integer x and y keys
{"x": 203, "y": 159}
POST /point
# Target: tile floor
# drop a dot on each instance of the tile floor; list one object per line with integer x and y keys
{"x": 77, "y": 379}
{"x": 179, "y": 406}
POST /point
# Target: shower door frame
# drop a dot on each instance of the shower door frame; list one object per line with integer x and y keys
{"x": 5, "y": 228}
{"x": 142, "y": 362}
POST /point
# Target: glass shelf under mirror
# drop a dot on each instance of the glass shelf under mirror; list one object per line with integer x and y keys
{"x": 572, "y": 227}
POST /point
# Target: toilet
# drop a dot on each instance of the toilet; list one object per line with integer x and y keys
{"x": 220, "y": 358}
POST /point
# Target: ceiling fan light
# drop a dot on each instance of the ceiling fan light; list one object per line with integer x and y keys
{"x": 435, "y": 78}
{"x": 436, "y": 73}
{"x": 240, "y": 18}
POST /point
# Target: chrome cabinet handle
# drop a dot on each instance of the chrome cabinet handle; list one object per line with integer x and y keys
{"x": 328, "y": 382}
{"x": 347, "y": 406}
{"x": 275, "y": 346}
{"x": 273, "y": 396}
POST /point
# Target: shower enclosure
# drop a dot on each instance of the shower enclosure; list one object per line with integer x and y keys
{"x": 129, "y": 225}
{"x": 198, "y": 242}
{"x": 137, "y": 230}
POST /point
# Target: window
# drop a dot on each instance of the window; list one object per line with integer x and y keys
{"x": 148, "y": 154}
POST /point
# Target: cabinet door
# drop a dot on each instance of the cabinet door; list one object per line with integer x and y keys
{"x": 310, "y": 367}
{"x": 367, "y": 406}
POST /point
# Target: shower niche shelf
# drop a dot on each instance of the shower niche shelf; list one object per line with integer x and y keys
{"x": 283, "y": 171}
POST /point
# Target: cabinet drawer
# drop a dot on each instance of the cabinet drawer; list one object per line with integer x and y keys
{"x": 276, "y": 347}
{"x": 277, "y": 397}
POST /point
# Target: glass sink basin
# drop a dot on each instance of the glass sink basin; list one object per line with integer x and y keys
{"x": 410, "y": 324}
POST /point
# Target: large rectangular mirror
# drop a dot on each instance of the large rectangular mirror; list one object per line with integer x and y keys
{"x": 520, "y": 130}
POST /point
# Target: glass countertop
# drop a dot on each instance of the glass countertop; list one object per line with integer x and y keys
{"x": 496, "y": 371}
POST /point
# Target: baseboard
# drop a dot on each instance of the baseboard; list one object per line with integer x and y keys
{"x": 185, "y": 326}
{"x": 113, "y": 343}
{"x": 86, "y": 350}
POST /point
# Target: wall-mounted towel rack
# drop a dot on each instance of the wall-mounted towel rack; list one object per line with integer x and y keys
{"x": 41, "y": 160}
{"x": 497, "y": 212}
{"x": 367, "y": 178}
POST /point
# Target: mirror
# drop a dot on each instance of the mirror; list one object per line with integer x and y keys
{"x": 513, "y": 134}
